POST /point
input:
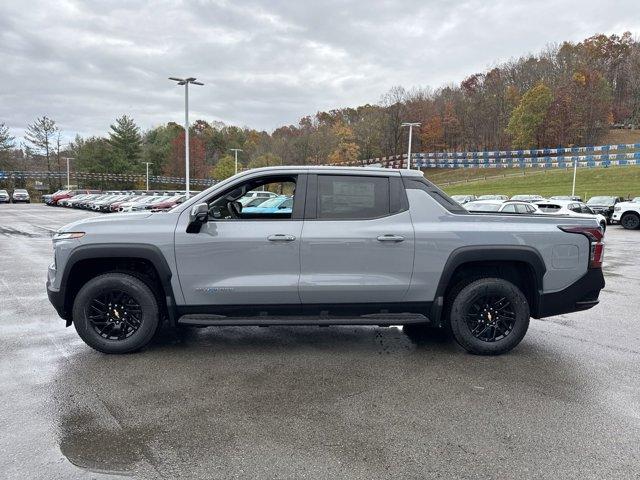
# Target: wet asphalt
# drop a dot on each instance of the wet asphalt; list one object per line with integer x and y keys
{"x": 311, "y": 402}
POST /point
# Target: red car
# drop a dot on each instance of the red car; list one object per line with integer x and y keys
{"x": 62, "y": 194}
{"x": 167, "y": 204}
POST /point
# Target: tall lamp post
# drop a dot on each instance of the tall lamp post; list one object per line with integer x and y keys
{"x": 186, "y": 82}
{"x": 147, "y": 164}
{"x": 68, "y": 175}
{"x": 236, "y": 150}
{"x": 410, "y": 125}
{"x": 575, "y": 170}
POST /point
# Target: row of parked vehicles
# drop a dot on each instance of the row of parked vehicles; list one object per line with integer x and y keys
{"x": 606, "y": 209}
{"x": 117, "y": 201}
{"x": 19, "y": 195}
{"x": 134, "y": 201}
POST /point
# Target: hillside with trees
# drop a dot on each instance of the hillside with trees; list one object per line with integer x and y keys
{"x": 568, "y": 94}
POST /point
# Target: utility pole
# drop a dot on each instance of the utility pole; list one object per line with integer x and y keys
{"x": 236, "y": 150}
{"x": 410, "y": 125}
{"x": 186, "y": 82}
{"x": 68, "y": 174}
{"x": 147, "y": 164}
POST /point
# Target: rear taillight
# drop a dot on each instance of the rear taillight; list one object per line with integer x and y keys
{"x": 596, "y": 245}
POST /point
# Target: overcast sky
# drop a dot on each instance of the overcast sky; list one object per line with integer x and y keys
{"x": 264, "y": 63}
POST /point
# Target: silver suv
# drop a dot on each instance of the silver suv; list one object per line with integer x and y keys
{"x": 359, "y": 246}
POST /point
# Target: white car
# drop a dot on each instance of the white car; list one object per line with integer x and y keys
{"x": 4, "y": 196}
{"x": 627, "y": 214}
{"x": 570, "y": 208}
{"x": 20, "y": 195}
{"x": 501, "y": 206}
{"x": 253, "y": 194}
{"x": 462, "y": 199}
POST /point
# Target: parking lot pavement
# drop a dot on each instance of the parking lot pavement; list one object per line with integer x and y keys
{"x": 337, "y": 402}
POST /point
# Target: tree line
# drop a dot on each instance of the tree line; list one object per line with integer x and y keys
{"x": 568, "y": 94}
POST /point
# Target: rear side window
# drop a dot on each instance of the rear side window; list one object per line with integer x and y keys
{"x": 352, "y": 197}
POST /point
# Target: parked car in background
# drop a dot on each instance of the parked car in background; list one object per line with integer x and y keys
{"x": 493, "y": 197}
{"x": 604, "y": 205}
{"x": 528, "y": 198}
{"x": 249, "y": 196}
{"x": 499, "y": 206}
{"x": 282, "y": 204}
{"x": 167, "y": 204}
{"x": 627, "y": 214}
{"x": 20, "y": 195}
{"x": 4, "y": 196}
{"x": 575, "y": 198}
{"x": 462, "y": 199}
{"x": 571, "y": 208}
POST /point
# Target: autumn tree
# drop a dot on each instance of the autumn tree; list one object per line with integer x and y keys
{"x": 346, "y": 151}
{"x": 432, "y": 134}
{"x": 225, "y": 168}
{"x": 527, "y": 120}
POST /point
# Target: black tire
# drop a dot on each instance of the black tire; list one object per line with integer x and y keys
{"x": 489, "y": 316}
{"x": 630, "y": 221}
{"x": 134, "y": 321}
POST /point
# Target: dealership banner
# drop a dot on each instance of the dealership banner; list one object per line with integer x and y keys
{"x": 110, "y": 177}
{"x": 593, "y": 156}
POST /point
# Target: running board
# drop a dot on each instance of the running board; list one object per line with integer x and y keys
{"x": 380, "y": 319}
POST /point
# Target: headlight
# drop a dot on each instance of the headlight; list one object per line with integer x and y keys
{"x": 67, "y": 235}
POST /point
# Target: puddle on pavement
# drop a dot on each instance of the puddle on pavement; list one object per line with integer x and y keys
{"x": 88, "y": 445}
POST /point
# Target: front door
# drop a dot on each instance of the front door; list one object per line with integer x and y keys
{"x": 358, "y": 248}
{"x": 237, "y": 259}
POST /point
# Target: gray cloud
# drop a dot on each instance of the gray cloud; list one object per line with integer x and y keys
{"x": 264, "y": 63}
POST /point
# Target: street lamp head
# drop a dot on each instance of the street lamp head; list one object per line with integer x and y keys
{"x": 176, "y": 79}
{"x": 410, "y": 124}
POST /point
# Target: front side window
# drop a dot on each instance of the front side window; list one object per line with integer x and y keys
{"x": 352, "y": 197}
{"x": 274, "y": 200}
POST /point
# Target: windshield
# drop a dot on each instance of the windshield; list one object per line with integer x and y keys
{"x": 601, "y": 201}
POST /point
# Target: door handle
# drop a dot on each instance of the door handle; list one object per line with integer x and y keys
{"x": 390, "y": 238}
{"x": 281, "y": 237}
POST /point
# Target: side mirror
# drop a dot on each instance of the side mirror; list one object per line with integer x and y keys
{"x": 198, "y": 216}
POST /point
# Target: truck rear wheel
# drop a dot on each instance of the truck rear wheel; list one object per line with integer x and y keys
{"x": 116, "y": 313}
{"x": 489, "y": 316}
{"x": 630, "y": 221}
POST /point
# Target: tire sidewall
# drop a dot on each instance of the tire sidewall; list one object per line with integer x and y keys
{"x": 630, "y": 215}
{"x": 132, "y": 286}
{"x": 489, "y": 286}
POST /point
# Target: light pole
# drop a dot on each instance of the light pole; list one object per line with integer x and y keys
{"x": 68, "y": 176}
{"x": 186, "y": 82}
{"x": 147, "y": 164}
{"x": 410, "y": 125}
{"x": 575, "y": 170}
{"x": 236, "y": 150}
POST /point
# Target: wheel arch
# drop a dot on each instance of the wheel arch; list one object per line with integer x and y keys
{"x": 147, "y": 261}
{"x": 521, "y": 264}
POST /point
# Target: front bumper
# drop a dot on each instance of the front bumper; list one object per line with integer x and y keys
{"x": 581, "y": 295}
{"x": 56, "y": 297}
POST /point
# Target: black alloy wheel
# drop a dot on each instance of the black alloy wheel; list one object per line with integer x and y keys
{"x": 490, "y": 318}
{"x": 114, "y": 315}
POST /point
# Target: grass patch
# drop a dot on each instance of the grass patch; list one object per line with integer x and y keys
{"x": 623, "y": 181}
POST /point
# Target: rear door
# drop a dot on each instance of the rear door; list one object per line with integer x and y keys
{"x": 357, "y": 240}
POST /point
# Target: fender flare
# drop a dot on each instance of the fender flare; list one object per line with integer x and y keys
{"x": 488, "y": 253}
{"x": 142, "y": 251}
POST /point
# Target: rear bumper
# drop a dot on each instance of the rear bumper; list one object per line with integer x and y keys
{"x": 581, "y": 295}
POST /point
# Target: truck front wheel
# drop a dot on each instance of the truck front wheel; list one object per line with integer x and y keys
{"x": 116, "y": 313}
{"x": 489, "y": 316}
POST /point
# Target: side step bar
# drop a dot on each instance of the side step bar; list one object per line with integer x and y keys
{"x": 380, "y": 319}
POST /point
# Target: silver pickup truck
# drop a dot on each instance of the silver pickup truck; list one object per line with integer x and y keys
{"x": 356, "y": 246}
